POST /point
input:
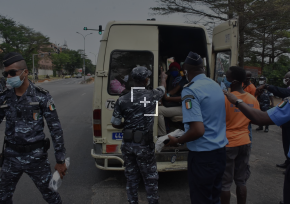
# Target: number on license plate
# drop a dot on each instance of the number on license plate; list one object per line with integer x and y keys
{"x": 117, "y": 135}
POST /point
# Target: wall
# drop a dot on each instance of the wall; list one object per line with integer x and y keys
{"x": 45, "y": 72}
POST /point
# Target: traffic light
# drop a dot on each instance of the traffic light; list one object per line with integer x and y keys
{"x": 85, "y": 28}
{"x": 100, "y": 29}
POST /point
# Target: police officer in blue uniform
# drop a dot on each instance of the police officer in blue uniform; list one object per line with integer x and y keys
{"x": 278, "y": 115}
{"x": 138, "y": 148}
{"x": 204, "y": 118}
{"x": 282, "y": 93}
{"x": 24, "y": 107}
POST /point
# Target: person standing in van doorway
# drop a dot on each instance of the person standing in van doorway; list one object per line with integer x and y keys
{"x": 24, "y": 106}
{"x": 138, "y": 148}
{"x": 204, "y": 118}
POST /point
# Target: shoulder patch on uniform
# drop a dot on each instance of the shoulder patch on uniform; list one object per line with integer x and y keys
{"x": 187, "y": 85}
{"x": 282, "y": 104}
{"x": 188, "y": 104}
{"x": 187, "y": 96}
{"x": 50, "y": 105}
{"x": 42, "y": 90}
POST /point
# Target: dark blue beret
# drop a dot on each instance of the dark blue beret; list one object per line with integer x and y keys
{"x": 140, "y": 73}
{"x": 11, "y": 58}
{"x": 193, "y": 59}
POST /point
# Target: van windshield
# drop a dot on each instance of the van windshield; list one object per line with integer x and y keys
{"x": 121, "y": 65}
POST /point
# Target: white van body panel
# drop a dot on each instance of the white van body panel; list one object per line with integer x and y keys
{"x": 144, "y": 36}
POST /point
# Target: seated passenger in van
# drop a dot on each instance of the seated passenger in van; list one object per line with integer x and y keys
{"x": 173, "y": 76}
{"x": 171, "y": 104}
{"x": 118, "y": 84}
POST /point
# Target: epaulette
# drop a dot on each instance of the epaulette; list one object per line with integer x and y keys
{"x": 4, "y": 91}
{"x": 187, "y": 96}
{"x": 42, "y": 90}
{"x": 124, "y": 92}
{"x": 187, "y": 85}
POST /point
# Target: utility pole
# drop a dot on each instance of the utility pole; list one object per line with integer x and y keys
{"x": 33, "y": 67}
{"x": 95, "y": 58}
{"x": 84, "y": 66}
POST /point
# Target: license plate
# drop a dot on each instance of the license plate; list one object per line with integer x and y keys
{"x": 117, "y": 135}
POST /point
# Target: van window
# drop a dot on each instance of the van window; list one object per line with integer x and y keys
{"x": 121, "y": 65}
{"x": 222, "y": 63}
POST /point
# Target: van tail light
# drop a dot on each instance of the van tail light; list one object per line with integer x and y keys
{"x": 97, "y": 123}
{"x": 111, "y": 148}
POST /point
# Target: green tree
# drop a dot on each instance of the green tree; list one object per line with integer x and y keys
{"x": 276, "y": 71}
{"x": 90, "y": 67}
{"x": 60, "y": 61}
{"x": 211, "y": 13}
{"x": 75, "y": 61}
{"x": 20, "y": 38}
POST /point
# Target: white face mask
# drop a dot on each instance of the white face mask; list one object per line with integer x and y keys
{"x": 261, "y": 82}
{"x": 285, "y": 81}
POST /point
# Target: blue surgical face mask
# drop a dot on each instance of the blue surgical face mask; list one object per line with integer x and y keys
{"x": 15, "y": 82}
{"x": 174, "y": 73}
{"x": 227, "y": 83}
{"x": 220, "y": 79}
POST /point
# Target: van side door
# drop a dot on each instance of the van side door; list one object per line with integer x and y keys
{"x": 127, "y": 47}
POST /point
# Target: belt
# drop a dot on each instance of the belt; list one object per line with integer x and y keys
{"x": 25, "y": 148}
{"x": 137, "y": 136}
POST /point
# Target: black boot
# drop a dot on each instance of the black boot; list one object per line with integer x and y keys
{"x": 283, "y": 166}
{"x": 266, "y": 129}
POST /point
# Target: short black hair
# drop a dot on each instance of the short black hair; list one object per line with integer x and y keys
{"x": 238, "y": 73}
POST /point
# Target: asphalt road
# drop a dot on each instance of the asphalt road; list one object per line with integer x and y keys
{"x": 87, "y": 184}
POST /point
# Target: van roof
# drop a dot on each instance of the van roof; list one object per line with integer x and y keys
{"x": 156, "y": 23}
{"x": 153, "y": 23}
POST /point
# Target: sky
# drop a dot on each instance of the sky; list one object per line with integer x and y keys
{"x": 61, "y": 19}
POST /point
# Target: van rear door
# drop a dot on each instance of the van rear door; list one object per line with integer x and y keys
{"x": 127, "y": 47}
{"x": 225, "y": 47}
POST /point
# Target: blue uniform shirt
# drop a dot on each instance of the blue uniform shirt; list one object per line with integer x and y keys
{"x": 204, "y": 101}
{"x": 281, "y": 114}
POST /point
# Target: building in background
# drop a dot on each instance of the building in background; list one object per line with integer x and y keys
{"x": 45, "y": 66}
{"x": 256, "y": 71}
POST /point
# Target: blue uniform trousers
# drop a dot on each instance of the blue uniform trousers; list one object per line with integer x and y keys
{"x": 205, "y": 172}
{"x": 38, "y": 169}
{"x": 286, "y": 140}
{"x": 139, "y": 162}
{"x": 286, "y": 189}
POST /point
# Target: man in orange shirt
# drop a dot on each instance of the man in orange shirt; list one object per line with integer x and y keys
{"x": 238, "y": 149}
{"x": 250, "y": 88}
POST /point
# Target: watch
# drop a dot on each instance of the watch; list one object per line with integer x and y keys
{"x": 60, "y": 162}
{"x": 238, "y": 102}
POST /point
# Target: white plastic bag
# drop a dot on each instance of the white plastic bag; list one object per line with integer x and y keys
{"x": 56, "y": 181}
{"x": 159, "y": 143}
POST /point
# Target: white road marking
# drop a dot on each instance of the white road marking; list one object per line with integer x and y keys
{"x": 83, "y": 94}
